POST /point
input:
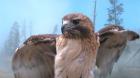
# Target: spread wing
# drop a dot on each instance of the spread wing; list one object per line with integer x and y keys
{"x": 113, "y": 40}
{"x": 35, "y": 59}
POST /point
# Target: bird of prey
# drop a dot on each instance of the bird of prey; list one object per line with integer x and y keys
{"x": 35, "y": 58}
{"x": 76, "y": 48}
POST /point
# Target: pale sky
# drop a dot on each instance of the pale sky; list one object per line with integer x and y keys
{"x": 45, "y": 14}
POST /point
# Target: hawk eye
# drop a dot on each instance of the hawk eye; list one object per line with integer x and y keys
{"x": 76, "y": 21}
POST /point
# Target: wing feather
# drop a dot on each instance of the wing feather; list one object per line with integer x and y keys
{"x": 36, "y": 58}
{"x": 113, "y": 40}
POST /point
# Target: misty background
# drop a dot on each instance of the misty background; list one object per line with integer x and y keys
{"x": 20, "y": 19}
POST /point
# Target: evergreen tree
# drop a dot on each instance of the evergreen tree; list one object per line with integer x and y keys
{"x": 115, "y": 12}
{"x": 13, "y": 40}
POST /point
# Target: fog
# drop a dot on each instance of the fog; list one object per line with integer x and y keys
{"x": 41, "y": 16}
{"x": 128, "y": 65}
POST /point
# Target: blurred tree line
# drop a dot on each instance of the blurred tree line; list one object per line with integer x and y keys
{"x": 18, "y": 33}
{"x": 21, "y": 31}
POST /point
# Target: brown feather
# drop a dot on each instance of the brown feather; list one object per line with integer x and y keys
{"x": 113, "y": 43}
{"x": 35, "y": 61}
{"x": 76, "y": 49}
{"x": 26, "y": 57}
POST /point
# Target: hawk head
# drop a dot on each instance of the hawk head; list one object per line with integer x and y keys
{"x": 76, "y": 25}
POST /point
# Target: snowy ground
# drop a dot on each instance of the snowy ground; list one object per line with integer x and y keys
{"x": 5, "y": 67}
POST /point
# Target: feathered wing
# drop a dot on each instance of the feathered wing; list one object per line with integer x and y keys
{"x": 35, "y": 59}
{"x": 112, "y": 43}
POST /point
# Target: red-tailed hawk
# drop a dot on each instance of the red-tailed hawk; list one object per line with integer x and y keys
{"x": 76, "y": 48}
{"x": 35, "y": 59}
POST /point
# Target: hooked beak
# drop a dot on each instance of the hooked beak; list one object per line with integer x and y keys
{"x": 66, "y": 26}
